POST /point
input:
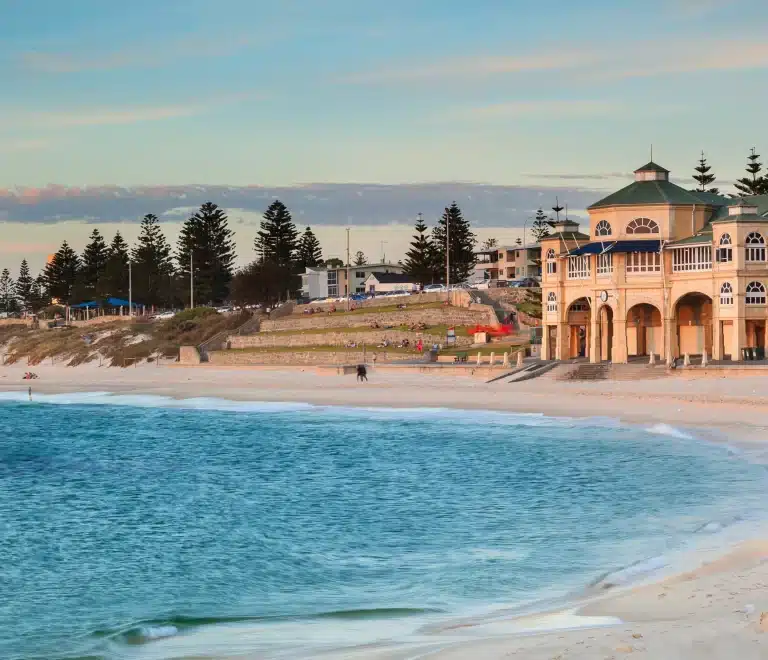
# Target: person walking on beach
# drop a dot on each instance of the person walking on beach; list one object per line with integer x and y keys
{"x": 362, "y": 373}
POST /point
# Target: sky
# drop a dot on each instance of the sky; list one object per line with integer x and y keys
{"x": 361, "y": 114}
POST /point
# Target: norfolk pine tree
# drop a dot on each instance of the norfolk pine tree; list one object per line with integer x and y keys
{"x": 24, "y": 284}
{"x": 540, "y": 226}
{"x": 360, "y": 259}
{"x": 461, "y": 245}
{"x": 7, "y": 293}
{"x": 94, "y": 262}
{"x": 420, "y": 259}
{"x": 308, "y": 254}
{"x": 206, "y": 237}
{"x": 152, "y": 268}
{"x": 703, "y": 177}
{"x": 114, "y": 281}
{"x": 61, "y": 274}
{"x": 277, "y": 240}
{"x": 752, "y": 184}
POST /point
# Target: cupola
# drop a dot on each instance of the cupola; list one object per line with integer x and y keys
{"x": 651, "y": 172}
{"x": 742, "y": 208}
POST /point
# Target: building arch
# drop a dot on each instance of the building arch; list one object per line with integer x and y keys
{"x": 643, "y": 226}
{"x": 603, "y": 228}
{"x": 578, "y": 317}
{"x": 693, "y": 322}
{"x": 644, "y": 330}
{"x": 755, "y": 294}
{"x": 754, "y": 246}
{"x": 551, "y": 262}
{"x": 724, "y": 252}
{"x": 605, "y": 330}
{"x": 726, "y": 294}
{"x": 551, "y": 302}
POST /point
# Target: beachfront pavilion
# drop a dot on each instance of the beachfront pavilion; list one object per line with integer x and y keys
{"x": 662, "y": 271}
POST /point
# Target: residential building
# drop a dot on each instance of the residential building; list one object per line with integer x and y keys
{"x": 512, "y": 262}
{"x": 660, "y": 271}
{"x": 323, "y": 282}
{"x": 388, "y": 282}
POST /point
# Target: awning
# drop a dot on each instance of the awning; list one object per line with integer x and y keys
{"x": 119, "y": 302}
{"x": 617, "y": 246}
{"x": 85, "y": 305}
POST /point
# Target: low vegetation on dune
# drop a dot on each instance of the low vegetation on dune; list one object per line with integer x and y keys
{"x": 118, "y": 344}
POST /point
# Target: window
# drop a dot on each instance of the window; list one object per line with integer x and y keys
{"x": 578, "y": 267}
{"x": 360, "y": 274}
{"x": 724, "y": 253}
{"x": 726, "y": 294}
{"x": 579, "y": 307}
{"x": 642, "y": 226}
{"x": 551, "y": 302}
{"x": 605, "y": 263}
{"x": 643, "y": 262}
{"x": 360, "y": 289}
{"x": 602, "y": 228}
{"x": 755, "y": 247}
{"x": 692, "y": 258}
{"x": 755, "y": 293}
{"x": 551, "y": 262}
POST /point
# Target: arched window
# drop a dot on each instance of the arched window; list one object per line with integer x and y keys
{"x": 755, "y": 247}
{"x": 642, "y": 226}
{"x": 755, "y": 293}
{"x": 602, "y": 228}
{"x": 724, "y": 253}
{"x": 551, "y": 262}
{"x": 726, "y": 294}
{"x": 551, "y": 302}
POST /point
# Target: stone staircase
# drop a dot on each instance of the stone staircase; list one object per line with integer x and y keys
{"x": 589, "y": 371}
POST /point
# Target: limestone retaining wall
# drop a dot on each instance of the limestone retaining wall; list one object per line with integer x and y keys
{"x": 370, "y": 339}
{"x": 235, "y": 358}
{"x": 477, "y": 314}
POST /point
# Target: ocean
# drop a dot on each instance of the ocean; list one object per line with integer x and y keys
{"x": 143, "y": 527}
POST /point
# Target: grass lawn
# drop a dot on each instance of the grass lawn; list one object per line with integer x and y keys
{"x": 441, "y": 330}
{"x": 323, "y": 349}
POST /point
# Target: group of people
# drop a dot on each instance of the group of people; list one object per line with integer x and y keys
{"x": 29, "y": 375}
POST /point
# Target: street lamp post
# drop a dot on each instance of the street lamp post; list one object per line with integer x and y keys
{"x": 130, "y": 288}
{"x": 191, "y": 283}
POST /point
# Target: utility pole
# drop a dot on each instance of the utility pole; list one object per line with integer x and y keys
{"x": 383, "y": 254}
{"x": 130, "y": 288}
{"x": 348, "y": 281}
{"x": 447, "y": 251}
{"x": 191, "y": 283}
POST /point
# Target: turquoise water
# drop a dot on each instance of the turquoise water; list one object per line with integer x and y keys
{"x": 159, "y": 529}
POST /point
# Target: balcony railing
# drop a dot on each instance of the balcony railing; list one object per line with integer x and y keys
{"x": 695, "y": 258}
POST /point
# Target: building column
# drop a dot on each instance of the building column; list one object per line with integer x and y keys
{"x": 619, "y": 350}
{"x": 717, "y": 338}
{"x": 739, "y": 339}
{"x": 545, "y": 342}
{"x": 563, "y": 342}
{"x": 670, "y": 339}
{"x": 594, "y": 336}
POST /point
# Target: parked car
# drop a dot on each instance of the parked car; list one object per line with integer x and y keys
{"x": 525, "y": 283}
{"x": 434, "y": 287}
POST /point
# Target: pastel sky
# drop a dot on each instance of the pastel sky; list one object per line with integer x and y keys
{"x": 149, "y": 95}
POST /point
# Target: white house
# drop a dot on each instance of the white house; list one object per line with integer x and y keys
{"x": 324, "y": 282}
{"x": 388, "y": 282}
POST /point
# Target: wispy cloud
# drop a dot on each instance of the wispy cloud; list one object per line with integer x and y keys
{"x": 117, "y": 116}
{"x": 315, "y": 204}
{"x": 703, "y": 7}
{"x": 537, "y": 108}
{"x": 608, "y": 60}
{"x": 603, "y": 176}
{"x": 34, "y": 144}
{"x": 138, "y": 56}
{"x": 474, "y": 66}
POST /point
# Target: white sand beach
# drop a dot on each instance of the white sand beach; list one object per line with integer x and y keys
{"x": 716, "y": 610}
